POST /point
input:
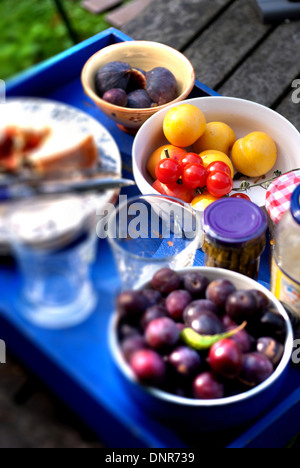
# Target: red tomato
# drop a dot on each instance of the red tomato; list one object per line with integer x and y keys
{"x": 194, "y": 176}
{"x": 175, "y": 190}
{"x": 168, "y": 171}
{"x": 190, "y": 158}
{"x": 219, "y": 166}
{"x": 240, "y": 195}
{"x": 219, "y": 183}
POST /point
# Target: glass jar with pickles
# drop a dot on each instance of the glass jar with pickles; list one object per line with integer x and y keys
{"x": 235, "y": 235}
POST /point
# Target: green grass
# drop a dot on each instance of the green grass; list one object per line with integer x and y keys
{"x": 32, "y": 31}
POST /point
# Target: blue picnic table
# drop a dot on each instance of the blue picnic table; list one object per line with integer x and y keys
{"x": 76, "y": 363}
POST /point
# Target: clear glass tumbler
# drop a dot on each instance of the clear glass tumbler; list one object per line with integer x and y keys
{"x": 150, "y": 232}
{"x": 54, "y": 244}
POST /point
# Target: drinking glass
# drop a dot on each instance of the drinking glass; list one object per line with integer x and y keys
{"x": 150, "y": 232}
{"x": 54, "y": 243}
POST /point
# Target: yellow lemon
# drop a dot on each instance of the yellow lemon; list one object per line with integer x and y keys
{"x": 183, "y": 125}
{"x": 255, "y": 154}
{"x": 217, "y": 136}
{"x": 212, "y": 156}
{"x": 200, "y": 202}
{"x": 173, "y": 151}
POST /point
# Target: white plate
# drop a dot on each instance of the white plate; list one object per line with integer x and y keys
{"x": 38, "y": 112}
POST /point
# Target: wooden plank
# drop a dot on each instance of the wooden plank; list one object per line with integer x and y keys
{"x": 126, "y": 13}
{"x": 290, "y": 106}
{"x": 174, "y": 23}
{"x": 98, "y": 6}
{"x": 269, "y": 70}
{"x": 227, "y": 41}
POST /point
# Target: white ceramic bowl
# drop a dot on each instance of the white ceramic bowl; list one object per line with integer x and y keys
{"x": 243, "y": 116}
{"x": 215, "y": 414}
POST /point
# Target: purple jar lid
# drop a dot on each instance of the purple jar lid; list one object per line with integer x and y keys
{"x": 234, "y": 221}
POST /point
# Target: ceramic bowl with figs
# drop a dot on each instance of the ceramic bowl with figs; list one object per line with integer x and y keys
{"x": 201, "y": 346}
{"x": 130, "y": 81}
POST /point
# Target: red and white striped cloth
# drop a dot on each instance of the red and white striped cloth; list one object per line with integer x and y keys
{"x": 279, "y": 194}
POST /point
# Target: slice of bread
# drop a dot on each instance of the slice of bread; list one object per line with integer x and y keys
{"x": 46, "y": 150}
{"x": 64, "y": 153}
{"x": 16, "y": 142}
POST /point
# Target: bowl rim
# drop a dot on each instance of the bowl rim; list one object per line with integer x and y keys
{"x": 216, "y": 402}
{"x": 128, "y": 110}
{"x": 137, "y": 173}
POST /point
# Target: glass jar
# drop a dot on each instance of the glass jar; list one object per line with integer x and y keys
{"x": 235, "y": 235}
{"x": 285, "y": 275}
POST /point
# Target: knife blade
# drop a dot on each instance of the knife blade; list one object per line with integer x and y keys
{"x": 21, "y": 191}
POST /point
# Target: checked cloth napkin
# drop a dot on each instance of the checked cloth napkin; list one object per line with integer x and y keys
{"x": 279, "y": 194}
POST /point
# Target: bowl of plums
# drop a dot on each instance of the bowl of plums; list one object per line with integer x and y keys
{"x": 132, "y": 80}
{"x": 203, "y": 346}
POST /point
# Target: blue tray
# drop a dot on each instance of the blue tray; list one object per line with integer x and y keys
{"x": 76, "y": 363}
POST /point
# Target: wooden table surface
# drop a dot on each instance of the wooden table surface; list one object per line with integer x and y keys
{"x": 232, "y": 52}
{"x": 230, "y": 47}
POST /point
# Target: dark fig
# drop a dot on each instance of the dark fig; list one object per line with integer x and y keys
{"x": 139, "y": 99}
{"x": 137, "y": 80}
{"x": 161, "y": 85}
{"x": 112, "y": 75}
{"x": 116, "y": 96}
